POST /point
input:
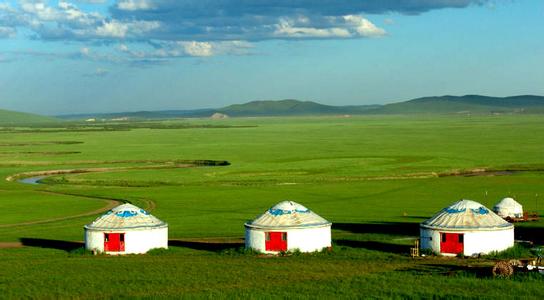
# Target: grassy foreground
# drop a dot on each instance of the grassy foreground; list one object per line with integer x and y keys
{"x": 348, "y": 272}
{"x": 374, "y": 177}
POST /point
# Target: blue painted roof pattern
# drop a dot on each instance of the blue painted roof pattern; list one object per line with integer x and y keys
{"x": 466, "y": 214}
{"x": 125, "y": 216}
{"x": 288, "y": 214}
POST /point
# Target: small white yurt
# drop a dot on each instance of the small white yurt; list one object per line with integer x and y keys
{"x": 288, "y": 226}
{"x": 508, "y": 208}
{"x": 466, "y": 227}
{"x": 126, "y": 229}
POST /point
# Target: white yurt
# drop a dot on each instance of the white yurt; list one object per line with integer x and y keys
{"x": 508, "y": 208}
{"x": 466, "y": 227}
{"x": 288, "y": 226}
{"x": 126, "y": 229}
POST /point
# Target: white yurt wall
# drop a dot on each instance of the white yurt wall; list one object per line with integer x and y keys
{"x": 302, "y": 229}
{"x": 466, "y": 227}
{"x": 126, "y": 229}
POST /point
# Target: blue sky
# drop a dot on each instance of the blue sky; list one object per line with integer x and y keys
{"x": 59, "y": 57}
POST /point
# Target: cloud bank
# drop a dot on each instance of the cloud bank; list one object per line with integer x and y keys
{"x": 161, "y": 29}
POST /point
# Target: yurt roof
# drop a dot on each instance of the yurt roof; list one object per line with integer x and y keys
{"x": 508, "y": 203}
{"x": 125, "y": 216}
{"x": 466, "y": 214}
{"x": 288, "y": 214}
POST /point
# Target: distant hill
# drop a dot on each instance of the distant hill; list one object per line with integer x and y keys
{"x": 474, "y": 104}
{"x": 251, "y": 109}
{"x": 8, "y": 117}
{"x": 290, "y": 107}
{"x": 143, "y": 115}
{"x": 465, "y": 104}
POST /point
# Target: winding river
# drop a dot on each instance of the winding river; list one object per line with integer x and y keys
{"x": 32, "y": 180}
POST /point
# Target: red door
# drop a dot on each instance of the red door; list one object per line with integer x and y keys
{"x": 276, "y": 241}
{"x": 451, "y": 243}
{"x": 114, "y": 242}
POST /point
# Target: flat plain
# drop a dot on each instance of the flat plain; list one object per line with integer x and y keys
{"x": 375, "y": 177}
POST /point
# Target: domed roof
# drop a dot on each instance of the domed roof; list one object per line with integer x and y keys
{"x": 507, "y": 203}
{"x": 288, "y": 214}
{"x": 466, "y": 214}
{"x": 125, "y": 216}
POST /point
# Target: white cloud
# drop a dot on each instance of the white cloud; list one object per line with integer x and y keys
{"x": 98, "y": 72}
{"x": 363, "y": 26}
{"x": 112, "y": 29}
{"x": 92, "y": 1}
{"x": 66, "y": 16}
{"x": 132, "y": 5}
{"x": 116, "y": 29}
{"x": 197, "y": 48}
{"x": 164, "y": 29}
{"x": 164, "y": 50}
{"x": 85, "y": 51}
{"x": 348, "y": 26}
{"x": 7, "y": 32}
{"x": 287, "y": 29}
{"x": 40, "y": 10}
{"x": 122, "y": 48}
{"x": 6, "y": 7}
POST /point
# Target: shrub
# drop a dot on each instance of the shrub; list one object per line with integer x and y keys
{"x": 158, "y": 251}
{"x": 517, "y": 251}
{"x": 81, "y": 251}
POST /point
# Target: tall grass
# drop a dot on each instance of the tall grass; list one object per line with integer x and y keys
{"x": 517, "y": 251}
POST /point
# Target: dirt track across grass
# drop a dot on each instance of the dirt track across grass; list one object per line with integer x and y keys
{"x": 110, "y": 204}
{"x": 6, "y": 245}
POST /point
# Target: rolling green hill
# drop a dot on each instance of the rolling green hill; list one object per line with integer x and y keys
{"x": 8, "y": 117}
{"x": 474, "y": 104}
{"x": 465, "y": 104}
{"x": 290, "y": 107}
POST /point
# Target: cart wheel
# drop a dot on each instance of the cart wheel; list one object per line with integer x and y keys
{"x": 503, "y": 269}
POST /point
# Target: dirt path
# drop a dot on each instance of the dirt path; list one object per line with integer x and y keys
{"x": 93, "y": 170}
{"x": 150, "y": 205}
{"x": 6, "y": 245}
{"x": 110, "y": 204}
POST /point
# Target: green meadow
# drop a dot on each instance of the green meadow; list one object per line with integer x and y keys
{"x": 375, "y": 177}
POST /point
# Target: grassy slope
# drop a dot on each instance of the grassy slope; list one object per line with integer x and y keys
{"x": 279, "y": 160}
{"x": 465, "y": 104}
{"x": 324, "y": 163}
{"x": 11, "y": 117}
{"x": 288, "y": 108}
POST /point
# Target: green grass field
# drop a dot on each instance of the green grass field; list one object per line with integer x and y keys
{"x": 375, "y": 177}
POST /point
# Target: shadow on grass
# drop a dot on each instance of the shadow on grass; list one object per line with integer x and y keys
{"x": 212, "y": 246}
{"x": 533, "y": 234}
{"x": 51, "y": 244}
{"x": 376, "y": 246}
{"x": 390, "y": 228}
{"x": 450, "y": 270}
